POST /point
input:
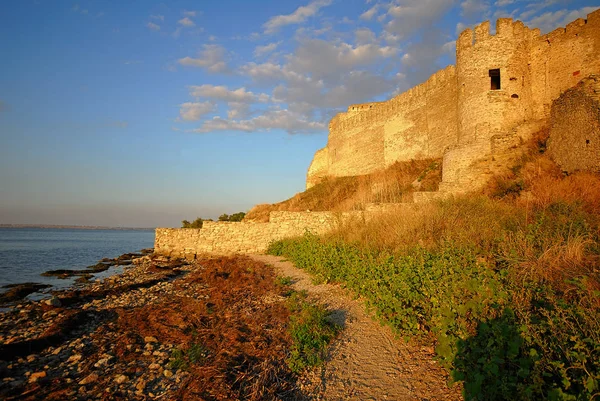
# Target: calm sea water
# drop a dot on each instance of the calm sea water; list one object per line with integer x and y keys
{"x": 25, "y": 253}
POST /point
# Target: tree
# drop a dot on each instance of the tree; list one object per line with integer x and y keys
{"x": 237, "y": 216}
{"x": 224, "y": 217}
{"x": 195, "y": 224}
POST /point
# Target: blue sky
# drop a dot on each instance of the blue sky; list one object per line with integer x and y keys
{"x": 144, "y": 113}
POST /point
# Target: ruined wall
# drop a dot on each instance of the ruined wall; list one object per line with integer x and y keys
{"x": 461, "y": 113}
{"x": 561, "y": 58}
{"x": 574, "y": 141}
{"x": 419, "y": 123}
{"x": 245, "y": 237}
{"x": 355, "y": 145}
{"x": 319, "y": 167}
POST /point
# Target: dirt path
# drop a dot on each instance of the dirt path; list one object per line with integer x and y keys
{"x": 367, "y": 362}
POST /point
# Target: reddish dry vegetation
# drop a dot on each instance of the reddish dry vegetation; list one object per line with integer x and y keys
{"x": 233, "y": 338}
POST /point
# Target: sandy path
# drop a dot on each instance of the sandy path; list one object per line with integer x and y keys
{"x": 367, "y": 362}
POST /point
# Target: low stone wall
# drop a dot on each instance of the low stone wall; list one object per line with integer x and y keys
{"x": 245, "y": 237}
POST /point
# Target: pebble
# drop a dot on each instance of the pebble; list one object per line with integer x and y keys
{"x": 36, "y": 376}
{"x": 54, "y": 301}
{"x": 91, "y": 378}
{"x": 77, "y": 366}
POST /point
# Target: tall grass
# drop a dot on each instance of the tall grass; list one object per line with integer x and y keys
{"x": 508, "y": 285}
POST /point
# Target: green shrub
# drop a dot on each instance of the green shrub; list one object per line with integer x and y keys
{"x": 195, "y": 224}
{"x": 311, "y": 332}
{"x": 504, "y": 334}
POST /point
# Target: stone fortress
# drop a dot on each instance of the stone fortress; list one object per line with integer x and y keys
{"x": 504, "y": 88}
{"x": 499, "y": 93}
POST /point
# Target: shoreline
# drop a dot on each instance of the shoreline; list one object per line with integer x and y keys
{"x": 163, "y": 328}
{"x": 37, "y": 291}
{"x": 75, "y": 227}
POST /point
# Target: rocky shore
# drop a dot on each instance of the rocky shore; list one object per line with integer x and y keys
{"x": 163, "y": 329}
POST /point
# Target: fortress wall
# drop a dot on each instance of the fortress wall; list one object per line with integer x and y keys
{"x": 379, "y": 134}
{"x": 359, "y": 107}
{"x": 483, "y": 110}
{"x": 442, "y": 111}
{"x": 461, "y": 109}
{"x": 574, "y": 141}
{"x": 561, "y": 58}
{"x": 423, "y": 119}
{"x": 355, "y": 149}
{"x": 318, "y": 168}
{"x": 244, "y": 237}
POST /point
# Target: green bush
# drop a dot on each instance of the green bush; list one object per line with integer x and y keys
{"x": 234, "y": 217}
{"x": 311, "y": 332}
{"x": 195, "y": 224}
{"x": 504, "y": 334}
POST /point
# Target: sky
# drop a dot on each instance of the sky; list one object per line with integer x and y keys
{"x": 141, "y": 113}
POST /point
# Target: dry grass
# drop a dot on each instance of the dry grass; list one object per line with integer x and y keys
{"x": 462, "y": 220}
{"x": 391, "y": 185}
{"x": 541, "y": 223}
{"x": 556, "y": 262}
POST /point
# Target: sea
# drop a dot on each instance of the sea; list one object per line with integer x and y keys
{"x": 25, "y": 253}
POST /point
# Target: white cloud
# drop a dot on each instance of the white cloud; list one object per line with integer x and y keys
{"x": 323, "y": 59}
{"x": 238, "y": 110}
{"x": 186, "y": 22}
{"x": 409, "y": 16}
{"x": 153, "y": 26}
{"x": 270, "y": 120}
{"x": 262, "y": 50}
{"x": 370, "y": 13}
{"x": 194, "y": 111}
{"x": 461, "y": 26}
{"x": 551, "y": 20}
{"x": 212, "y": 57}
{"x": 449, "y": 47}
{"x": 364, "y": 36}
{"x": 219, "y": 92}
{"x": 474, "y": 7}
{"x": 190, "y": 13}
{"x": 158, "y": 17}
{"x": 297, "y": 17}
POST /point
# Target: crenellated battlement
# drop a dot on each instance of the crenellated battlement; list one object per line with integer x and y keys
{"x": 363, "y": 106}
{"x": 501, "y": 81}
{"x": 507, "y": 30}
{"x": 575, "y": 28}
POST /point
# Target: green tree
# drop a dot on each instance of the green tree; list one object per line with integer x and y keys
{"x": 224, "y": 217}
{"x": 195, "y": 224}
{"x": 237, "y": 216}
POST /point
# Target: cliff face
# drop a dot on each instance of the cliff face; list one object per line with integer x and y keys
{"x": 503, "y": 86}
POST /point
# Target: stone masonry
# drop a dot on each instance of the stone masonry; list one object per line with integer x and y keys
{"x": 500, "y": 91}
{"x": 250, "y": 237}
{"x": 575, "y": 127}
